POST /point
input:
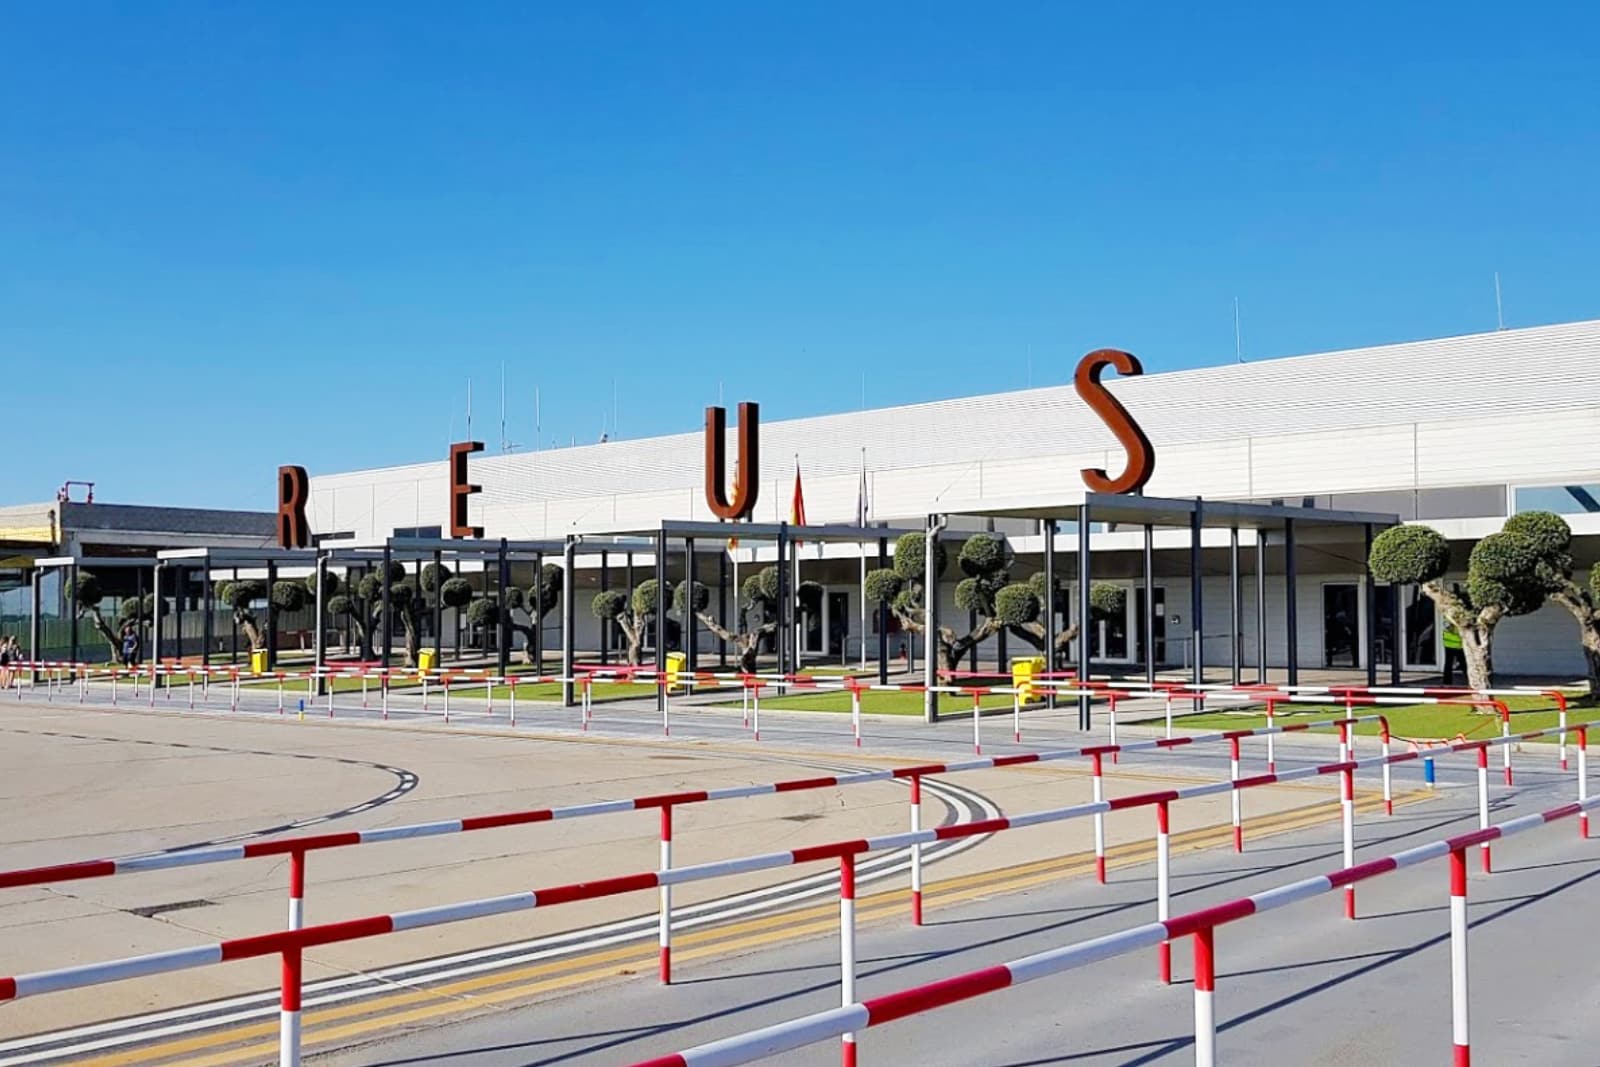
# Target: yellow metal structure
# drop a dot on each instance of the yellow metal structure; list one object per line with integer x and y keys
{"x": 1023, "y": 670}
{"x": 677, "y": 663}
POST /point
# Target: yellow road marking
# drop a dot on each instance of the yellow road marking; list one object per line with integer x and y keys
{"x": 465, "y": 995}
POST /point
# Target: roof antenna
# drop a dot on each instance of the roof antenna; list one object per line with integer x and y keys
{"x": 1499, "y": 311}
{"x": 1238, "y": 336}
{"x": 469, "y": 409}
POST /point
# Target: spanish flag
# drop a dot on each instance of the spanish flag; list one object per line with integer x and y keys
{"x": 797, "y": 503}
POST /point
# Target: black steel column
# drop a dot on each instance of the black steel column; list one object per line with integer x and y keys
{"x": 233, "y": 618}
{"x": 208, "y": 609}
{"x": 1048, "y": 528}
{"x": 972, "y": 653}
{"x": 1149, "y": 605}
{"x": 72, "y": 613}
{"x": 605, "y": 627}
{"x": 930, "y": 619}
{"x": 785, "y": 600}
{"x": 1235, "y": 606}
{"x": 502, "y": 588}
{"x": 388, "y": 620}
{"x": 1292, "y": 603}
{"x": 1395, "y": 635}
{"x": 35, "y": 626}
{"x": 691, "y": 637}
{"x": 1197, "y": 608}
{"x": 1085, "y": 617}
{"x": 180, "y": 576}
{"x": 883, "y": 619}
{"x": 1370, "y": 615}
{"x": 722, "y": 607}
{"x": 1261, "y": 607}
{"x": 272, "y": 617}
{"x": 569, "y": 619}
{"x": 660, "y": 607}
{"x": 438, "y": 609}
{"x": 536, "y": 652}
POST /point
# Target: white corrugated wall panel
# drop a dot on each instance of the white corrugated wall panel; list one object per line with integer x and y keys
{"x": 1493, "y": 448}
{"x": 1342, "y": 461}
{"x": 1220, "y": 469}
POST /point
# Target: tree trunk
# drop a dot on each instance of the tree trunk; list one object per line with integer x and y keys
{"x": 103, "y": 628}
{"x": 1033, "y": 634}
{"x": 246, "y": 621}
{"x": 1477, "y": 648}
{"x": 408, "y": 626}
{"x": 633, "y": 631}
{"x": 1576, "y": 601}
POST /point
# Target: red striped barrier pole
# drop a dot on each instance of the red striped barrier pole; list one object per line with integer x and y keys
{"x": 847, "y": 950}
{"x": 1460, "y": 1002}
{"x": 191, "y": 690}
{"x": 511, "y": 684}
{"x": 1563, "y": 739}
{"x": 855, "y": 712}
{"x": 588, "y": 701}
{"x": 1483, "y": 803}
{"x": 665, "y": 918}
{"x": 1347, "y": 804}
{"x": 1505, "y": 731}
{"x": 364, "y": 704}
{"x": 977, "y": 716}
{"x": 1234, "y": 796}
{"x": 1583, "y": 779}
{"x": 289, "y": 1009}
{"x": 1205, "y": 986}
{"x": 383, "y": 693}
{"x": 1098, "y": 794}
{"x": 1169, "y": 714}
{"x": 1016, "y": 715}
{"x": 297, "y": 889}
{"x": 280, "y": 692}
{"x": 1388, "y": 783}
{"x": 445, "y": 681}
{"x": 916, "y": 850}
{"x": 755, "y": 712}
{"x": 1164, "y": 883}
{"x": 1272, "y": 759}
{"x": 666, "y": 706}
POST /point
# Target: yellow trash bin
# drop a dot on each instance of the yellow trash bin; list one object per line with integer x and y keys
{"x": 1023, "y": 671}
{"x": 677, "y": 663}
{"x": 258, "y": 661}
{"x": 426, "y": 659}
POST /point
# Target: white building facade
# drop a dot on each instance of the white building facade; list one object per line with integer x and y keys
{"x": 1456, "y": 433}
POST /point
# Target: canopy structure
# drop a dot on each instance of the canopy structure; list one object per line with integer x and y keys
{"x": 1267, "y": 523}
{"x": 785, "y": 537}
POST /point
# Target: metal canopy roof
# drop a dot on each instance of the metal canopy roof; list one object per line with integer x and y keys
{"x": 102, "y": 562}
{"x": 839, "y": 533}
{"x": 1177, "y": 511}
{"x": 424, "y": 548}
{"x": 238, "y": 557}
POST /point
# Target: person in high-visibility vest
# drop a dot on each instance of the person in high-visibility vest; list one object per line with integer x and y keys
{"x": 1453, "y": 653}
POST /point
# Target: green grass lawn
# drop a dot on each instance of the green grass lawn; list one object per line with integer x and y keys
{"x": 1431, "y": 722}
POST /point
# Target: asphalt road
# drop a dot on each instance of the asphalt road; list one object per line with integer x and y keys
{"x": 1297, "y": 986}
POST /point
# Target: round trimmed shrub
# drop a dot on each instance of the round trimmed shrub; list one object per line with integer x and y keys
{"x": 455, "y": 593}
{"x": 609, "y": 604}
{"x": 883, "y": 586}
{"x": 433, "y": 576}
{"x": 698, "y": 596}
{"x": 982, "y": 554}
{"x": 911, "y": 556}
{"x": 288, "y": 596}
{"x": 1409, "y": 555}
{"x": 87, "y": 591}
{"x": 1108, "y": 601}
{"x": 1017, "y": 604}
{"x": 1548, "y": 532}
{"x": 647, "y": 599}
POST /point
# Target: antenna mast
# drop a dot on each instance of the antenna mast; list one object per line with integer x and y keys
{"x": 1499, "y": 311}
{"x": 1238, "y": 336}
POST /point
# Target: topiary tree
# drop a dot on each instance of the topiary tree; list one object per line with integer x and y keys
{"x": 1502, "y": 580}
{"x": 84, "y": 595}
{"x": 983, "y": 558}
{"x": 633, "y": 614}
{"x": 1020, "y": 605}
{"x": 536, "y": 602}
{"x": 758, "y": 609}
{"x": 241, "y": 597}
{"x": 1551, "y": 539}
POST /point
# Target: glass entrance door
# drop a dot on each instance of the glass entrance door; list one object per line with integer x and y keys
{"x": 1421, "y": 630}
{"x": 1341, "y": 625}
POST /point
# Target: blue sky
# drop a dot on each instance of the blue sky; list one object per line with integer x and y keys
{"x": 236, "y": 235}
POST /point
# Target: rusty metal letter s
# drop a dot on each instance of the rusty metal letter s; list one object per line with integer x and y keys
{"x": 1141, "y": 456}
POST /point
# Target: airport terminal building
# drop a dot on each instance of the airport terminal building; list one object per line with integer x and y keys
{"x": 1457, "y": 433}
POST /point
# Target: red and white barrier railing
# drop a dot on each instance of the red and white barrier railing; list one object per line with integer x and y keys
{"x": 291, "y": 943}
{"x": 1200, "y": 925}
